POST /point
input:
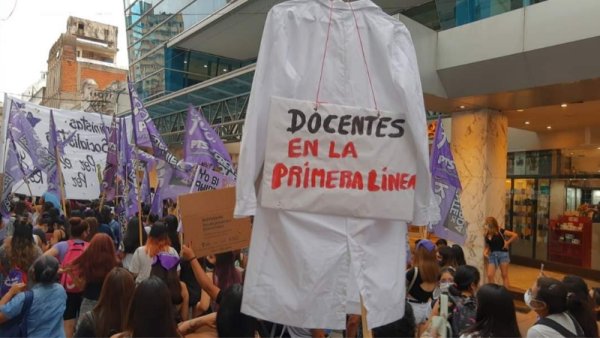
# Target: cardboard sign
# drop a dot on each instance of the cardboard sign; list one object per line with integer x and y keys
{"x": 339, "y": 160}
{"x": 208, "y": 222}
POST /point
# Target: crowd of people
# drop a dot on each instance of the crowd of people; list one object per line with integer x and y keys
{"x": 86, "y": 275}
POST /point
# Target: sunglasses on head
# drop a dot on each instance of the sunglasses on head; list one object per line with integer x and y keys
{"x": 166, "y": 260}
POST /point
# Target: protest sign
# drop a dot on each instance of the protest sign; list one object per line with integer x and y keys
{"x": 207, "y": 179}
{"x": 84, "y": 154}
{"x": 339, "y": 160}
{"x": 208, "y": 222}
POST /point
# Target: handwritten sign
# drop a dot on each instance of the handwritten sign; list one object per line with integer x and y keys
{"x": 208, "y": 222}
{"x": 208, "y": 179}
{"x": 338, "y": 160}
{"x": 84, "y": 155}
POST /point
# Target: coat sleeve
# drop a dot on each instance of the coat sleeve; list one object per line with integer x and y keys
{"x": 407, "y": 82}
{"x": 252, "y": 150}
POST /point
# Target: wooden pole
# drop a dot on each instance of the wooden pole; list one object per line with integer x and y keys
{"x": 194, "y": 179}
{"x": 365, "y": 328}
{"x": 139, "y": 200}
{"x": 61, "y": 181}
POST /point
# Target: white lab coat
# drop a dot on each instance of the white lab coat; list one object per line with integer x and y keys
{"x": 306, "y": 270}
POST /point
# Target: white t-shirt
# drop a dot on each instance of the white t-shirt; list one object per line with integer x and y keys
{"x": 563, "y": 319}
{"x": 141, "y": 263}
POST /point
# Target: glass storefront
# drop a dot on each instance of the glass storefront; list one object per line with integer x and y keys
{"x": 555, "y": 212}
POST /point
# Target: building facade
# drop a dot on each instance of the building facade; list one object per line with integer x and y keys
{"x": 82, "y": 72}
{"x": 518, "y": 81}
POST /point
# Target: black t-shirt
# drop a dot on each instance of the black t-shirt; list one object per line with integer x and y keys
{"x": 416, "y": 291}
{"x": 92, "y": 290}
{"x": 496, "y": 243}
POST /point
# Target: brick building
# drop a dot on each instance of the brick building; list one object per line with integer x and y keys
{"x": 82, "y": 74}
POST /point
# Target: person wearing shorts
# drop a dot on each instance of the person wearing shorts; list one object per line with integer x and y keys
{"x": 497, "y": 242}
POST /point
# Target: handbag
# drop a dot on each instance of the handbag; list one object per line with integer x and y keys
{"x": 17, "y": 327}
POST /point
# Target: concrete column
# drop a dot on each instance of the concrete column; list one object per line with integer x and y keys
{"x": 479, "y": 145}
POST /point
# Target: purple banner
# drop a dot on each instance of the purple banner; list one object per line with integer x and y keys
{"x": 447, "y": 190}
{"x": 202, "y": 144}
{"x": 442, "y": 161}
{"x": 140, "y": 117}
{"x": 130, "y": 179}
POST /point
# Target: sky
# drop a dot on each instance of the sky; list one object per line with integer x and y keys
{"x": 27, "y": 35}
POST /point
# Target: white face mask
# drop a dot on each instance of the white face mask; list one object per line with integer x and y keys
{"x": 445, "y": 286}
{"x": 528, "y": 298}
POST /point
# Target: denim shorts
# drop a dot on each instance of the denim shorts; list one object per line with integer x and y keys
{"x": 499, "y": 257}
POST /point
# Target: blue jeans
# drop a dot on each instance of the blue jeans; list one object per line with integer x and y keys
{"x": 499, "y": 257}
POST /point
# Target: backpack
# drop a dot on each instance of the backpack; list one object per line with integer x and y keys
{"x": 463, "y": 314}
{"x": 561, "y": 329}
{"x": 17, "y": 327}
{"x": 15, "y": 275}
{"x": 74, "y": 250}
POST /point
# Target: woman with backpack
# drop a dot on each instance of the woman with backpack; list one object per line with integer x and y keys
{"x": 497, "y": 242}
{"x": 40, "y": 308}
{"x": 548, "y": 298}
{"x": 90, "y": 269}
{"x": 462, "y": 297}
{"x": 580, "y": 304}
{"x": 66, "y": 253}
{"x": 495, "y": 315}
{"x": 421, "y": 281}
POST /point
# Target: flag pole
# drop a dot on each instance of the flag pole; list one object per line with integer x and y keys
{"x": 103, "y": 192}
{"x": 61, "y": 181}
{"x": 195, "y": 178}
{"x": 365, "y": 329}
{"x": 139, "y": 198}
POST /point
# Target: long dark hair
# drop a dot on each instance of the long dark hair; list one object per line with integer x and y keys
{"x": 580, "y": 304}
{"x": 495, "y": 313}
{"x": 225, "y": 273}
{"x": 171, "y": 279}
{"x": 151, "y": 311}
{"x": 459, "y": 254}
{"x": 131, "y": 241}
{"x": 448, "y": 257}
{"x": 22, "y": 248}
{"x": 113, "y": 303}
{"x": 172, "y": 225}
{"x": 97, "y": 260}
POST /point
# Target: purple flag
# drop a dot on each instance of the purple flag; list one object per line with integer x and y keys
{"x": 112, "y": 162}
{"x": 143, "y": 156}
{"x": 13, "y": 172}
{"x": 447, "y": 189}
{"x": 203, "y": 145}
{"x": 140, "y": 117}
{"x": 24, "y": 135}
{"x": 156, "y": 207}
{"x": 146, "y": 134}
{"x": 171, "y": 185}
{"x": 130, "y": 183}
